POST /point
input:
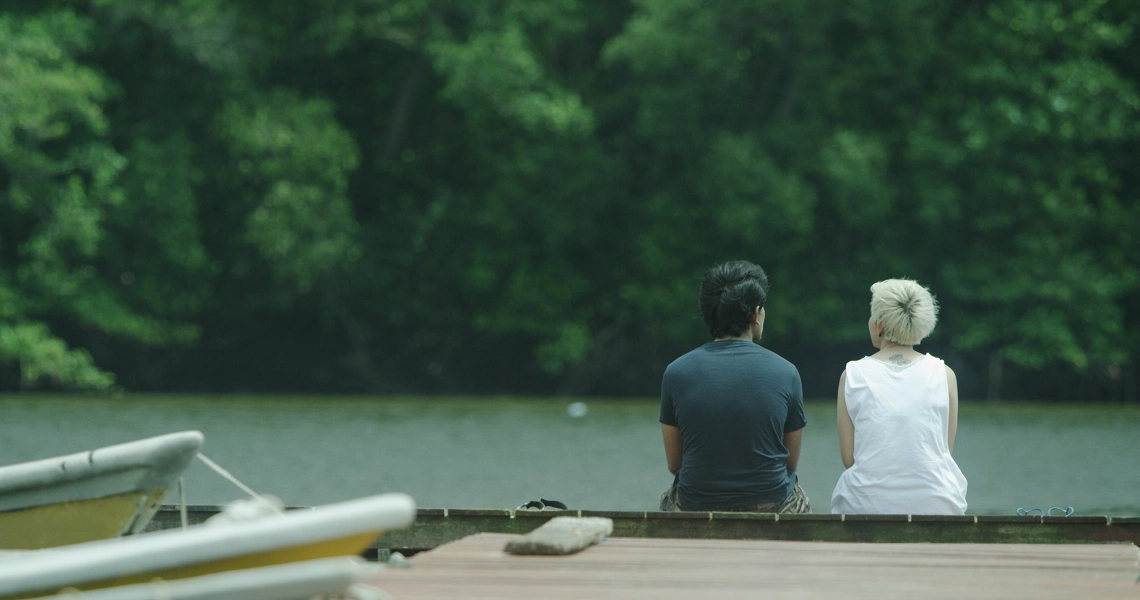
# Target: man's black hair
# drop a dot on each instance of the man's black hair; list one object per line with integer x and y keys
{"x": 729, "y": 294}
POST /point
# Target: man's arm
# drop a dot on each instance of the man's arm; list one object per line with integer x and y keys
{"x": 792, "y": 441}
{"x": 674, "y": 447}
{"x": 846, "y": 427}
{"x": 952, "y": 387}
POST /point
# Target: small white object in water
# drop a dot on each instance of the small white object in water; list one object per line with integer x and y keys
{"x": 577, "y": 410}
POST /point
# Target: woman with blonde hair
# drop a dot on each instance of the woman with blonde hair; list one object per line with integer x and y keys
{"x": 897, "y": 414}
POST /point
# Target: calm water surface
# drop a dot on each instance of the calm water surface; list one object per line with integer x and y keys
{"x": 499, "y": 453}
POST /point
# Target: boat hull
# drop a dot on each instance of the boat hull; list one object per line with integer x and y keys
{"x": 281, "y": 582}
{"x": 91, "y": 495}
{"x": 343, "y": 529}
{"x": 346, "y": 546}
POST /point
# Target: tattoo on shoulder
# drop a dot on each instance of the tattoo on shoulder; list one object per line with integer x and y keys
{"x": 898, "y": 359}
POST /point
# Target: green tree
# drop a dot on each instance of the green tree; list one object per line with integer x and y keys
{"x": 530, "y": 190}
{"x": 57, "y": 183}
{"x": 974, "y": 147}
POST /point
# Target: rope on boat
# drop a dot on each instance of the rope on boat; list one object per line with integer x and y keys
{"x": 234, "y": 480}
{"x": 182, "y": 502}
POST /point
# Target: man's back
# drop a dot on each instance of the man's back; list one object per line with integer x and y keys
{"x": 732, "y": 401}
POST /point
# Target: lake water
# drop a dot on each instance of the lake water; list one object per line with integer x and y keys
{"x": 500, "y": 453}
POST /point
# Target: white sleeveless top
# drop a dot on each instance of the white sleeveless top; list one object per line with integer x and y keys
{"x": 902, "y": 460}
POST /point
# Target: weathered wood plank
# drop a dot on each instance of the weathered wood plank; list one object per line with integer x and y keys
{"x": 692, "y": 569}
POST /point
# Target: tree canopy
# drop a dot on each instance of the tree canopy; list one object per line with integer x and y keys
{"x": 521, "y": 196}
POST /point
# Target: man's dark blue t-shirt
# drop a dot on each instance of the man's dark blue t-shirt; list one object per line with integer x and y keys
{"x": 733, "y": 401}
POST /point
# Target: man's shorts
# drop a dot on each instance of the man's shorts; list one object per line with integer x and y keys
{"x": 796, "y": 502}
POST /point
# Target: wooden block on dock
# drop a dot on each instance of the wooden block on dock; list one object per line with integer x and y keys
{"x": 562, "y": 535}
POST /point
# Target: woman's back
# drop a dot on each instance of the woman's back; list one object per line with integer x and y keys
{"x": 902, "y": 458}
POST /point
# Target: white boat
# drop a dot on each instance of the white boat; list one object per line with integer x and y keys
{"x": 300, "y": 581}
{"x": 91, "y": 495}
{"x": 341, "y": 529}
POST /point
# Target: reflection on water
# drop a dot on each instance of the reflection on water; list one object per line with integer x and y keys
{"x": 499, "y": 453}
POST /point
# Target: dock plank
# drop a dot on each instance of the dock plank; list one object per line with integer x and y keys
{"x": 476, "y": 567}
{"x": 436, "y": 526}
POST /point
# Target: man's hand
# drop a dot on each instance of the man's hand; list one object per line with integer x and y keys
{"x": 792, "y": 441}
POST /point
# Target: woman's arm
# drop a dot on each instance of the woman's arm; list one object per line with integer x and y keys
{"x": 952, "y": 386}
{"x": 846, "y": 427}
{"x": 674, "y": 447}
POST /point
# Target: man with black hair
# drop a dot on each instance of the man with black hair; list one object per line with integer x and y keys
{"x": 732, "y": 412}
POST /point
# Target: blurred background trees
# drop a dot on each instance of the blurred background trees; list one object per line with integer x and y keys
{"x": 519, "y": 196}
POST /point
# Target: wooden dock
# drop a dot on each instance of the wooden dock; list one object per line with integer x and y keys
{"x": 436, "y": 526}
{"x": 628, "y": 568}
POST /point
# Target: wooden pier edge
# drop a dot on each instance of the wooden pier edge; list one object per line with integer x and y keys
{"x": 436, "y": 526}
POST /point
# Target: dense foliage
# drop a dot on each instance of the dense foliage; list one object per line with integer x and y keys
{"x": 521, "y": 195}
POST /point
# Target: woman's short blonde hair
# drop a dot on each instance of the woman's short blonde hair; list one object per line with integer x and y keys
{"x": 907, "y": 310}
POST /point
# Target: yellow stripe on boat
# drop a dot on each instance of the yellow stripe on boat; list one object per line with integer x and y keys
{"x": 76, "y": 521}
